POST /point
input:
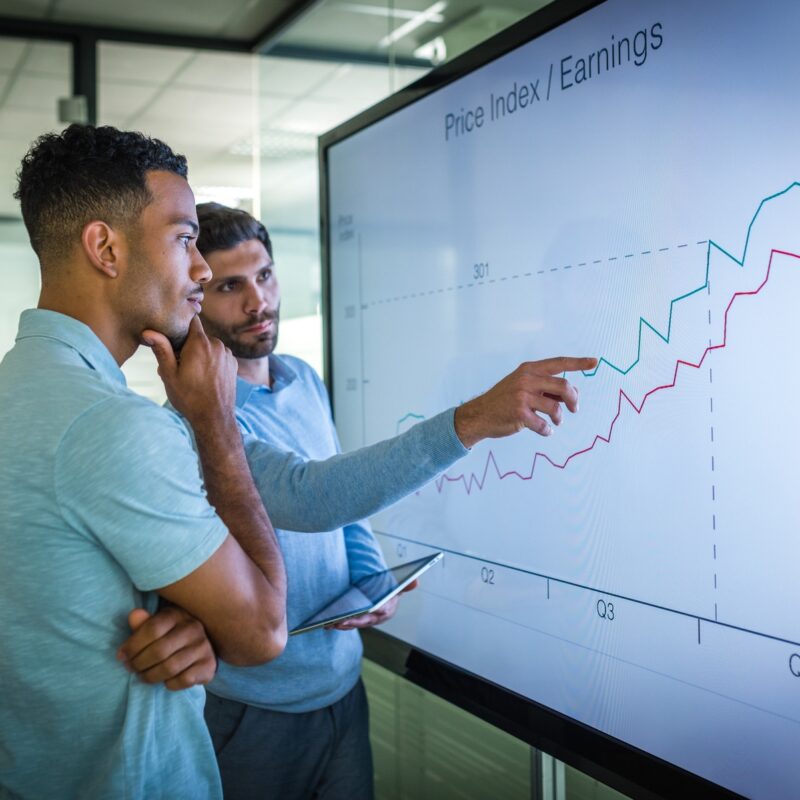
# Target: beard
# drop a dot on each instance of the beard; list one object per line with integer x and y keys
{"x": 263, "y": 346}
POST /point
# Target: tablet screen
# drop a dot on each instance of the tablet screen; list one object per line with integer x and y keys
{"x": 369, "y": 593}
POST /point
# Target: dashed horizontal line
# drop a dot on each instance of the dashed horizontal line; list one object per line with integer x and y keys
{"x": 517, "y": 276}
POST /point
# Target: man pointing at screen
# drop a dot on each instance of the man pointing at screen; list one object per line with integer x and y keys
{"x": 298, "y": 727}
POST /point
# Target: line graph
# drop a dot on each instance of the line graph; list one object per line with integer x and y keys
{"x": 473, "y": 481}
{"x": 665, "y": 337}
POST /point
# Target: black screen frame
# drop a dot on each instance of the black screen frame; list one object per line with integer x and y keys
{"x": 617, "y": 764}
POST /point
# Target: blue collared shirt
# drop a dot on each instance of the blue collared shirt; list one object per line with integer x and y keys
{"x": 101, "y": 503}
{"x": 319, "y": 667}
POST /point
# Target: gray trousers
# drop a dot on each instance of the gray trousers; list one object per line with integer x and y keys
{"x": 271, "y": 755}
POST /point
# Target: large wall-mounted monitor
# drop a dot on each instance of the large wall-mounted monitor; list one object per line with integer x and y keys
{"x": 619, "y": 180}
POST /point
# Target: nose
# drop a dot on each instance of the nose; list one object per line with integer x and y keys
{"x": 254, "y": 299}
{"x": 199, "y": 271}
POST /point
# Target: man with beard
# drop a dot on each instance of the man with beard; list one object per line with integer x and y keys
{"x": 298, "y": 727}
{"x": 101, "y": 503}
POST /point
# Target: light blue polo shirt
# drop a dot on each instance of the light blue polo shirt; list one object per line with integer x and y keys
{"x": 101, "y": 502}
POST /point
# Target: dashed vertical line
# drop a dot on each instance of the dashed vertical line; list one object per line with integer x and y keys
{"x": 713, "y": 476}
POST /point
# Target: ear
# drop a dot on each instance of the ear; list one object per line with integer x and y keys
{"x": 102, "y": 246}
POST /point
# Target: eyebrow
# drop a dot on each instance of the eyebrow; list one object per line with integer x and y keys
{"x": 185, "y": 221}
{"x": 268, "y": 265}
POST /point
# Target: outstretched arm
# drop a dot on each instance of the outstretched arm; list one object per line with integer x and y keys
{"x": 325, "y": 495}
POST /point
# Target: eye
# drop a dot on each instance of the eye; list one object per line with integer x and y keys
{"x": 186, "y": 239}
{"x": 265, "y": 275}
{"x": 227, "y": 286}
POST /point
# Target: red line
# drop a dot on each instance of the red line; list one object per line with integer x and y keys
{"x": 473, "y": 480}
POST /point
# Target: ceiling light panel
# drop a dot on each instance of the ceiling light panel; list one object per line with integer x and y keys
{"x": 431, "y": 14}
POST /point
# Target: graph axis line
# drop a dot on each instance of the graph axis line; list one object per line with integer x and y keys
{"x": 586, "y": 587}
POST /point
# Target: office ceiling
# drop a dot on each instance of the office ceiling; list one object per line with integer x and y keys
{"x": 219, "y": 108}
{"x": 215, "y": 107}
{"x": 362, "y": 26}
{"x": 404, "y": 28}
{"x": 231, "y": 19}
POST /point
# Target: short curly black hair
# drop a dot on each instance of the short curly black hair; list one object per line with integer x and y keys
{"x": 222, "y": 228}
{"x": 86, "y": 173}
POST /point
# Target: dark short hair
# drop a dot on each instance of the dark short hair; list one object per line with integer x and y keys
{"x": 85, "y": 173}
{"x": 223, "y": 228}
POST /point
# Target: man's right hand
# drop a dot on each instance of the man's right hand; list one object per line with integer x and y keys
{"x": 515, "y": 402}
{"x": 201, "y": 383}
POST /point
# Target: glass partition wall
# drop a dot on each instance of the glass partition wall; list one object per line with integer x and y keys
{"x": 34, "y": 75}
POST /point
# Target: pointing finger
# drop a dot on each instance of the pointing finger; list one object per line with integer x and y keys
{"x": 566, "y": 364}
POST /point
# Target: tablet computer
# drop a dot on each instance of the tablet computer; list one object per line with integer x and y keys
{"x": 368, "y": 594}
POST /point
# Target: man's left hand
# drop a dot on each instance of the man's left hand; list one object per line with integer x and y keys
{"x": 169, "y": 647}
{"x": 384, "y": 613}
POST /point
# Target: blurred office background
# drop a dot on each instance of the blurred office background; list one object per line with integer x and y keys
{"x": 243, "y": 89}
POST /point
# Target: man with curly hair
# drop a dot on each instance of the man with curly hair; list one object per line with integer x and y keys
{"x": 102, "y": 509}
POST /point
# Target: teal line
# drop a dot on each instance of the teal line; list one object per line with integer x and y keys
{"x": 711, "y": 243}
{"x": 643, "y": 322}
{"x": 408, "y": 416}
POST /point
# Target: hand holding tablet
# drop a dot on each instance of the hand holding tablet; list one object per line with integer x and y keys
{"x": 368, "y": 594}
